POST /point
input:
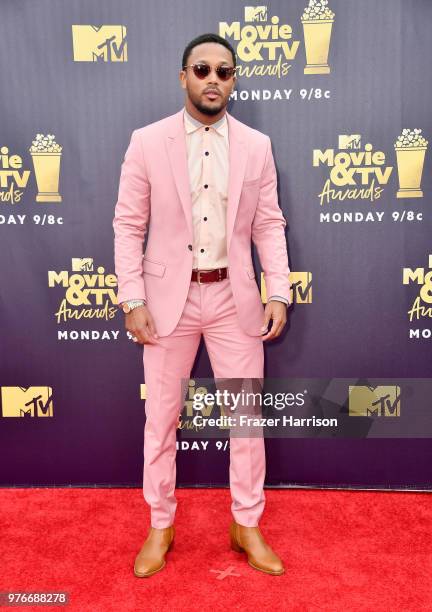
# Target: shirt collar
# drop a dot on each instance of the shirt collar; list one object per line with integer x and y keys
{"x": 191, "y": 124}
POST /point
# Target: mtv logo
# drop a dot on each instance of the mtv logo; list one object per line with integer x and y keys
{"x": 84, "y": 264}
{"x": 106, "y": 43}
{"x": 349, "y": 141}
{"x": 300, "y": 287}
{"x": 383, "y": 400}
{"x": 255, "y": 13}
{"x": 27, "y": 401}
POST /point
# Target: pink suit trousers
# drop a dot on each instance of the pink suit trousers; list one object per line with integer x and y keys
{"x": 209, "y": 310}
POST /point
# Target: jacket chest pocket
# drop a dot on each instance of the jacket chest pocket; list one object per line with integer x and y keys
{"x": 250, "y": 190}
{"x": 251, "y": 182}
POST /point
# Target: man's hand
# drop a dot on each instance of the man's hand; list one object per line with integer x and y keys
{"x": 140, "y": 324}
{"x": 278, "y": 312}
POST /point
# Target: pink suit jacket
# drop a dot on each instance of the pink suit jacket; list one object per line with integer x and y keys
{"x": 154, "y": 200}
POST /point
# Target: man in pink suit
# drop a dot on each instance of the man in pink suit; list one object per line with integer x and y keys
{"x": 201, "y": 185}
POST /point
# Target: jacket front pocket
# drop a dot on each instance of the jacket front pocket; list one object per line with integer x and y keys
{"x": 153, "y": 267}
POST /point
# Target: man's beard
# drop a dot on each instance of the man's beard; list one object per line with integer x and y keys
{"x": 205, "y": 110}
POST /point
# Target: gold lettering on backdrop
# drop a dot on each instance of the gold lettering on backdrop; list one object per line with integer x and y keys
{"x": 11, "y": 177}
{"x": 417, "y": 311}
{"x": 64, "y": 313}
{"x": 358, "y": 171}
{"x": 263, "y": 48}
{"x": 87, "y": 296}
{"x": 423, "y": 278}
{"x": 328, "y": 194}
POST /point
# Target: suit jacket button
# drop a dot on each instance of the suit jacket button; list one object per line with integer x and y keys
{"x": 190, "y": 247}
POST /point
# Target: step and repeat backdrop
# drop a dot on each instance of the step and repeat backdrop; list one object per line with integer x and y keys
{"x": 344, "y": 90}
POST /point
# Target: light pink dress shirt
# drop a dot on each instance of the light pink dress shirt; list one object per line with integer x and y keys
{"x": 207, "y": 149}
{"x": 208, "y": 162}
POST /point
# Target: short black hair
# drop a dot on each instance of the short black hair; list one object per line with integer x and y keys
{"x": 205, "y": 38}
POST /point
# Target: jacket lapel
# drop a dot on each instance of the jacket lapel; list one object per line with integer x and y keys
{"x": 177, "y": 153}
{"x": 238, "y": 156}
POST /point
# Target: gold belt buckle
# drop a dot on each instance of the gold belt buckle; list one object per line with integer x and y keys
{"x": 199, "y": 276}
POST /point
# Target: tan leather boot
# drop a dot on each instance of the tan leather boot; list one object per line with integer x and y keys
{"x": 260, "y": 555}
{"x": 151, "y": 557}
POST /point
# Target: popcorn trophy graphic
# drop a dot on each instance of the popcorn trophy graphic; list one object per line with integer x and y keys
{"x": 46, "y": 154}
{"x": 410, "y": 153}
{"x": 317, "y": 20}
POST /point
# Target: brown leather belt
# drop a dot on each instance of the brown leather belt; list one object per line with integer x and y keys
{"x": 201, "y": 276}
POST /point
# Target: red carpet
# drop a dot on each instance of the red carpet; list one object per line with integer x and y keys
{"x": 342, "y": 551}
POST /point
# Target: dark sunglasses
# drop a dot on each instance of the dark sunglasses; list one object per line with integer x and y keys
{"x": 201, "y": 71}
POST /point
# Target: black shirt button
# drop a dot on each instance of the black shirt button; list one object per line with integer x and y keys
{"x": 202, "y": 250}
{"x": 207, "y": 153}
{"x": 205, "y": 218}
{"x": 190, "y": 247}
{"x": 207, "y": 129}
{"x": 205, "y": 186}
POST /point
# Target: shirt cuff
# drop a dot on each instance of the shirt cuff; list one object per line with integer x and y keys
{"x": 278, "y": 298}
